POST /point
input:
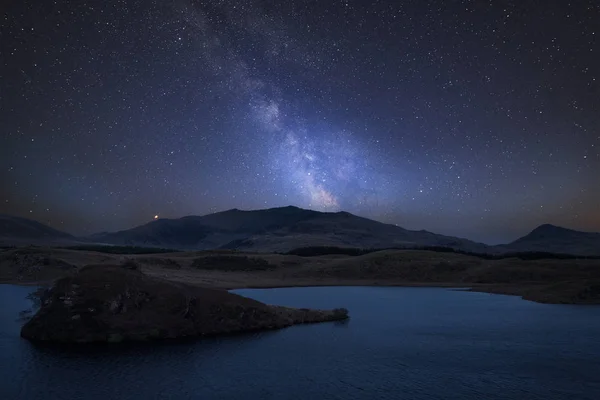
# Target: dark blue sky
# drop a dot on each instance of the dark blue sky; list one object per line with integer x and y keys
{"x": 472, "y": 118}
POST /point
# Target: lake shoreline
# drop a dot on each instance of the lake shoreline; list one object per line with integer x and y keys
{"x": 529, "y": 292}
{"x": 399, "y": 340}
{"x": 544, "y": 281}
{"x": 116, "y": 304}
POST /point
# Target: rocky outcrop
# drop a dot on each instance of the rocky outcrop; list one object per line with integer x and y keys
{"x": 114, "y": 304}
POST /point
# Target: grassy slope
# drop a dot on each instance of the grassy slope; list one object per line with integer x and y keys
{"x": 552, "y": 280}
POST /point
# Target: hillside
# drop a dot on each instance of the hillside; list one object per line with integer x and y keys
{"x": 287, "y": 228}
{"x": 19, "y": 231}
{"x": 554, "y": 239}
{"x": 549, "y": 280}
{"x": 277, "y": 229}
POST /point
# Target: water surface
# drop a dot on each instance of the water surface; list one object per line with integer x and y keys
{"x": 401, "y": 343}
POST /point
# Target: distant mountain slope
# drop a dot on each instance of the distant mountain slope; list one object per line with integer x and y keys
{"x": 286, "y": 228}
{"x": 255, "y": 220}
{"x": 554, "y": 239}
{"x": 16, "y": 229}
{"x": 277, "y": 229}
{"x": 183, "y": 233}
{"x": 205, "y": 232}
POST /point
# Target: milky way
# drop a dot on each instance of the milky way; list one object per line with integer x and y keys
{"x": 315, "y": 167}
{"x": 476, "y": 119}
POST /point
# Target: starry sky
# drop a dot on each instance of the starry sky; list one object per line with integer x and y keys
{"x": 479, "y": 119}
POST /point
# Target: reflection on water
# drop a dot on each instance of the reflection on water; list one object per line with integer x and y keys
{"x": 413, "y": 343}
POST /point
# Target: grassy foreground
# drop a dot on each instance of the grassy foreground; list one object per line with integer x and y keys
{"x": 543, "y": 279}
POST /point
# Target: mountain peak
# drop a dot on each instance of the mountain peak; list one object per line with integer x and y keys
{"x": 556, "y": 239}
{"x": 290, "y": 207}
{"x": 548, "y": 227}
{"x": 233, "y": 210}
{"x": 548, "y": 230}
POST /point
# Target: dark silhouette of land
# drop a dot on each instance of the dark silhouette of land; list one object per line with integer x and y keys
{"x": 286, "y": 228}
{"x": 290, "y": 246}
{"x": 120, "y": 303}
{"x": 541, "y": 277}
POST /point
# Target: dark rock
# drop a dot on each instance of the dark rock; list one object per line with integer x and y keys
{"x": 115, "y": 304}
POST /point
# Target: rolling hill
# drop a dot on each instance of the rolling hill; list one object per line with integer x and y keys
{"x": 16, "y": 230}
{"x": 554, "y": 239}
{"x": 278, "y": 229}
{"x": 286, "y": 228}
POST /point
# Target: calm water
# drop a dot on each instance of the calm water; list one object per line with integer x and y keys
{"x": 401, "y": 343}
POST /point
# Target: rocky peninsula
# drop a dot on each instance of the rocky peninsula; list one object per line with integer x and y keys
{"x": 114, "y": 304}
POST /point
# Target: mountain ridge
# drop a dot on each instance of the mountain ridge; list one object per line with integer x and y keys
{"x": 284, "y": 228}
{"x": 557, "y": 239}
{"x": 19, "y": 230}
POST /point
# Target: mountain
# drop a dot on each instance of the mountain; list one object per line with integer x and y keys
{"x": 555, "y": 239}
{"x": 16, "y": 230}
{"x": 286, "y": 228}
{"x": 278, "y": 229}
{"x": 204, "y": 232}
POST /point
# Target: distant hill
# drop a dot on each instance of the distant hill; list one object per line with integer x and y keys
{"x": 277, "y": 229}
{"x": 554, "y": 239}
{"x": 16, "y": 230}
{"x": 287, "y": 228}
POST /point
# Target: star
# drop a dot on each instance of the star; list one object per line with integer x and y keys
{"x": 197, "y": 107}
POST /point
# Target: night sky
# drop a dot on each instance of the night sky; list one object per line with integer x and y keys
{"x": 479, "y": 119}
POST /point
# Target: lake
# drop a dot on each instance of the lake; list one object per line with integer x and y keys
{"x": 401, "y": 343}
